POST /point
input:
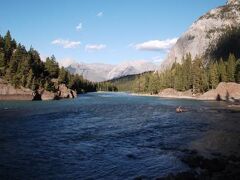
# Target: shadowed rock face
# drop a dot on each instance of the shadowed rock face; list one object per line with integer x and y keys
{"x": 205, "y": 32}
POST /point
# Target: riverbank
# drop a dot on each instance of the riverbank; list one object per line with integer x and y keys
{"x": 9, "y": 92}
{"x": 229, "y": 92}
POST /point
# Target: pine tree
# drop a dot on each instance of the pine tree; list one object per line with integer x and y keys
{"x": 199, "y": 83}
{"x": 1, "y": 43}
{"x": 146, "y": 84}
{"x": 231, "y": 67}
{"x": 63, "y": 76}
{"x": 25, "y": 68}
{"x": 2, "y": 64}
{"x": 237, "y": 72}
{"x": 178, "y": 78}
{"x": 213, "y": 75}
{"x": 187, "y": 68}
{"x": 34, "y": 84}
{"x": 7, "y": 45}
{"x": 51, "y": 67}
{"x": 29, "y": 79}
{"x": 222, "y": 71}
{"x": 153, "y": 83}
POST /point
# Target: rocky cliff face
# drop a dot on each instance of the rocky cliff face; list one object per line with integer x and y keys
{"x": 205, "y": 32}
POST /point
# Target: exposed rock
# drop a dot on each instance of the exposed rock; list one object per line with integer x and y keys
{"x": 205, "y": 32}
{"x": 224, "y": 91}
{"x": 46, "y": 95}
{"x": 8, "y": 92}
{"x": 170, "y": 92}
{"x": 64, "y": 92}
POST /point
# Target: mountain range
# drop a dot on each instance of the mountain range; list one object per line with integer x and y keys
{"x": 98, "y": 72}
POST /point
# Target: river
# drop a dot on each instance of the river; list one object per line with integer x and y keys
{"x": 110, "y": 136}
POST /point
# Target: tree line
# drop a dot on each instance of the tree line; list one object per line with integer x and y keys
{"x": 22, "y": 67}
{"x": 190, "y": 74}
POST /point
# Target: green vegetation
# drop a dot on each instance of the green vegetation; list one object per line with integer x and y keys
{"x": 25, "y": 68}
{"x": 132, "y": 83}
{"x": 191, "y": 74}
{"x": 106, "y": 86}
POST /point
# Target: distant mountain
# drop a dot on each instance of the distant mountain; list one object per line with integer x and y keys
{"x": 204, "y": 34}
{"x": 101, "y": 72}
{"x": 129, "y": 68}
{"x": 93, "y": 72}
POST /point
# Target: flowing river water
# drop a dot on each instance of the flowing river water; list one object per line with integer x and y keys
{"x": 110, "y": 136}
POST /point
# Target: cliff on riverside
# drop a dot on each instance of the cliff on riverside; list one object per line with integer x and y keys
{"x": 202, "y": 37}
{"x": 9, "y": 92}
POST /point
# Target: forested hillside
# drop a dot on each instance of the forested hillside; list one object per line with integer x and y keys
{"x": 191, "y": 74}
{"x": 22, "y": 67}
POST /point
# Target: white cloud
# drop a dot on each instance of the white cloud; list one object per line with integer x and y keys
{"x": 156, "y": 45}
{"x": 79, "y": 27}
{"x": 100, "y": 14}
{"x": 95, "y": 47}
{"x": 66, "y": 43}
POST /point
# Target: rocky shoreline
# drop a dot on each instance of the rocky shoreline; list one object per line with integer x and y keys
{"x": 229, "y": 92}
{"x": 8, "y": 92}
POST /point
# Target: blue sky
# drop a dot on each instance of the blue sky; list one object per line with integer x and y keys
{"x": 103, "y": 31}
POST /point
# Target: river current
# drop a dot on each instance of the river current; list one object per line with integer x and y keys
{"x": 109, "y": 136}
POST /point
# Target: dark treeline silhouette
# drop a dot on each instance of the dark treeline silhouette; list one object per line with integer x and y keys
{"x": 22, "y": 67}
